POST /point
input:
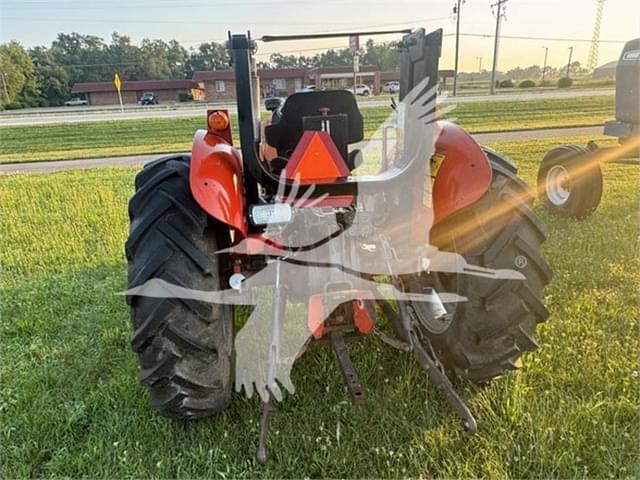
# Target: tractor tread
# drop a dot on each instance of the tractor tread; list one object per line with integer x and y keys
{"x": 184, "y": 346}
{"x": 491, "y": 331}
{"x": 152, "y": 324}
{"x": 182, "y": 243}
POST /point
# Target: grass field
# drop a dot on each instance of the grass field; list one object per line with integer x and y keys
{"x": 70, "y": 405}
{"x": 103, "y": 139}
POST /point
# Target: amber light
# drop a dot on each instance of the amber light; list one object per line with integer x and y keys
{"x": 218, "y": 121}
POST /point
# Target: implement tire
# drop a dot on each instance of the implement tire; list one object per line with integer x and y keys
{"x": 184, "y": 347}
{"x": 486, "y": 335}
{"x": 570, "y": 181}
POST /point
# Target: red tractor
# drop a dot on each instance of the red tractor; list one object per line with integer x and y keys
{"x": 446, "y": 226}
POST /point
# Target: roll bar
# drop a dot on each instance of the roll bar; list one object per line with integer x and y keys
{"x": 419, "y": 59}
{"x": 312, "y": 36}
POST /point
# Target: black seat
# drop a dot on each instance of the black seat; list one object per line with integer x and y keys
{"x": 287, "y": 132}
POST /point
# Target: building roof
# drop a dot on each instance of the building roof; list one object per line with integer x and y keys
{"x": 395, "y": 76}
{"x": 265, "y": 74}
{"x": 342, "y": 69}
{"x": 202, "y": 75}
{"x": 271, "y": 73}
{"x": 607, "y": 66}
{"x": 389, "y": 76}
{"x": 137, "y": 85}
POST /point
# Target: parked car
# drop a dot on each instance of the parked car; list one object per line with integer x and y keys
{"x": 391, "y": 87}
{"x": 307, "y": 89}
{"x": 361, "y": 90}
{"x": 148, "y": 98}
{"x": 272, "y": 104}
{"x": 75, "y": 102}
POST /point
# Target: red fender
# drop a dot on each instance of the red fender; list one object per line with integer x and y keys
{"x": 462, "y": 171}
{"x": 216, "y": 180}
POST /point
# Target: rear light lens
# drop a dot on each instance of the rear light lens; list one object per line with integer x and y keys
{"x": 218, "y": 121}
{"x": 270, "y": 214}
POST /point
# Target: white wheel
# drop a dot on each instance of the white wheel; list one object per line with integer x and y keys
{"x": 570, "y": 181}
{"x": 558, "y": 185}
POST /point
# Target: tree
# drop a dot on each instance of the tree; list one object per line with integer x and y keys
{"x": 576, "y": 69}
{"x": 208, "y": 56}
{"x": 333, "y": 57}
{"x": 85, "y": 57}
{"x": 52, "y": 78}
{"x": 384, "y": 55}
{"x": 19, "y": 75}
{"x": 163, "y": 60}
{"x": 519, "y": 73}
{"x": 126, "y": 59}
{"x": 277, "y": 60}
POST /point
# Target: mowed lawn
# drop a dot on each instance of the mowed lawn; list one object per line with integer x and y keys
{"x": 161, "y": 135}
{"x": 70, "y": 405}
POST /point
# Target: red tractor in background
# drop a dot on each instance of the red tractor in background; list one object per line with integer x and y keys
{"x": 206, "y": 222}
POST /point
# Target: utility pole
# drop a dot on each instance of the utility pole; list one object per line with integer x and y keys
{"x": 4, "y": 84}
{"x": 570, "y": 58}
{"x": 456, "y": 10}
{"x": 479, "y": 64}
{"x": 499, "y": 16}
{"x": 544, "y": 69}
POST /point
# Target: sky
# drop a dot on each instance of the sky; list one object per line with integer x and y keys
{"x": 36, "y": 22}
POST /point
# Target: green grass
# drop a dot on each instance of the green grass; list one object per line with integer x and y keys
{"x": 162, "y": 135}
{"x": 70, "y": 405}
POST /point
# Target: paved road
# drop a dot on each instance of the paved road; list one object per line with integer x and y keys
{"x": 139, "y": 160}
{"x": 96, "y": 114}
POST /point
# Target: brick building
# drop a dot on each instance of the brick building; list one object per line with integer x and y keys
{"x": 217, "y": 84}
{"x": 104, "y": 93}
{"x": 337, "y": 78}
{"x": 220, "y": 84}
{"x": 395, "y": 77}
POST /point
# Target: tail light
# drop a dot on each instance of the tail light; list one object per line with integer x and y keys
{"x": 218, "y": 123}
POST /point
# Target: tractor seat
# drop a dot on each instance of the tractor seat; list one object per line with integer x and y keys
{"x": 297, "y": 111}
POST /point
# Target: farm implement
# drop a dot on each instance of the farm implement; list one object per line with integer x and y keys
{"x": 570, "y": 177}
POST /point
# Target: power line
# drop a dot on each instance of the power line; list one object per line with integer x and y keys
{"x": 520, "y": 37}
{"x": 155, "y": 6}
{"x": 166, "y": 22}
{"x": 226, "y": 23}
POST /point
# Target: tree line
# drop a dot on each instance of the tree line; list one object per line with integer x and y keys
{"x": 44, "y": 76}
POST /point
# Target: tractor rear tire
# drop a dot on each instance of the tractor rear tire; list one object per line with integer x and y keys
{"x": 487, "y": 334}
{"x": 184, "y": 347}
{"x": 581, "y": 191}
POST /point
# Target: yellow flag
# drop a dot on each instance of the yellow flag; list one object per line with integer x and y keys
{"x": 117, "y": 82}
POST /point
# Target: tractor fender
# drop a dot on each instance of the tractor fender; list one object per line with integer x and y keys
{"x": 461, "y": 169}
{"x": 216, "y": 180}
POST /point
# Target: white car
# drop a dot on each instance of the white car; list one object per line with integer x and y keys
{"x": 307, "y": 89}
{"x": 391, "y": 87}
{"x": 361, "y": 89}
{"x": 75, "y": 102}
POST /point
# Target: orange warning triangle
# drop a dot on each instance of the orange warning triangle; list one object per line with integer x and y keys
{"x": 316, "y": 158}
